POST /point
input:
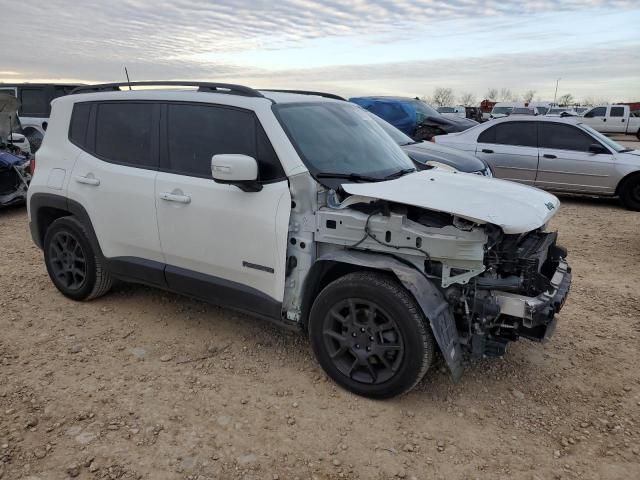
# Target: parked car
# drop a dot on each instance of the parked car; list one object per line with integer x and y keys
{"x": 11, "y": 137}
{"x": 457, "y": 111}
{"x": 301, "y": 210}
{"x": 35, "y": 100}
{"x": 412, "y": 116}
{"x": 14, "y": 155}
{"x": 557, "y": 154}
{"x": 612, "y": 119}
{"x": 501, "y": 109}
{"x": 429, "y": 155}
{"x": 524, "y": 111}
{"x": 561, "y": 112}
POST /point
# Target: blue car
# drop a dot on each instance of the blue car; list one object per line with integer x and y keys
{"x": 413, "y": 117}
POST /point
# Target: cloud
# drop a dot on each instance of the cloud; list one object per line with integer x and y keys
{"x": 92, "y": 40}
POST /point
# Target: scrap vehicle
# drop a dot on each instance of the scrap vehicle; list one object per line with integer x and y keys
{"x": 556, "y": 154}
{"x": 35, "y": 106}
{"x": 612, "y": 119}
{"x": 299, "y": 209}
{"x": 413, "y": 116}
{"x": 14, "y": 155}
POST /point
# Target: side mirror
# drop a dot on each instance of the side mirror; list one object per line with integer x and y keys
{"x": 236, "y": 169}
{"x": 597, "y": 148}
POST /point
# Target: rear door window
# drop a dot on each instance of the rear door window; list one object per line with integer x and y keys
{"x": 522, "y": 134}
{"x": 195, "y": 133}
{"x": 488, "y": 136}
{"x": 617, "y": 112}
{"x": 123, "y": 133}
{"x": 564, "y": 137}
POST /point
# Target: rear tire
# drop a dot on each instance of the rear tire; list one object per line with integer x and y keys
{"x": 369, "y": 335}
{"x": 630, "y": 193}
{"x": 72, "y": 264}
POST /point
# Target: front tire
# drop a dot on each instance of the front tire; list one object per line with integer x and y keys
{"x": 370, "y": 336}
{"x": 630, "y": 193}
{"x": 72, "y": 264}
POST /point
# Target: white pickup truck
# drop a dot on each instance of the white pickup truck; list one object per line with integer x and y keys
{"x": 612, "y": 119}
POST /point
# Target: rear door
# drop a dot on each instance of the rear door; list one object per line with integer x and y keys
{"x": 221, "y": 243}
{"x": 511, "y": 150}
{"x": 114, "y": 180}
{"x": 566, "y": 163}
{"x": 618, "y": 117}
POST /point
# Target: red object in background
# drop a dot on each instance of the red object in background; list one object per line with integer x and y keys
{"x": 486, "y": 106}
{"x": 32, "y": 165}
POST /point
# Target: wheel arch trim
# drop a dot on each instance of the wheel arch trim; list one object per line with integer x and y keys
{"x": 40, "y": 201}
{"x": 429, "y": 298}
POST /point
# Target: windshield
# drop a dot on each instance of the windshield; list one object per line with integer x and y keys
{"x": 557, "y": 110}
{"x": 604, "y": 139}
{"x": 542, "y": 110}
{"x": 501, "y": 110}
{"x": 397, "y": 136}
{"x": 341, "y": 138}
{"x": 446, "y": 110}
{"x": 423, "y": 111}
{"x": 525, "y": 111}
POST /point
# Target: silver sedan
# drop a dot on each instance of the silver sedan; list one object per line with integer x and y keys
{"x": 557, "y": 154}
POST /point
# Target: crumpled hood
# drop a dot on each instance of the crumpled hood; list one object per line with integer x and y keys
{"x": 424, "y": 152}
{"x": 514, "y": 207}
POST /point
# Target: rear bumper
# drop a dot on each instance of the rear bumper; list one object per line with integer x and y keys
{"x": 537, "y": 314}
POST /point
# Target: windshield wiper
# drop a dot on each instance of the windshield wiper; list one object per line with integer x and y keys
{"x": 625, "y": 150}
{"x": 348, "y": 176}
{"x": 399, "y": 173}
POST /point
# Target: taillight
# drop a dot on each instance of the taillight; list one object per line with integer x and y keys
{"x": 32, "y": 165}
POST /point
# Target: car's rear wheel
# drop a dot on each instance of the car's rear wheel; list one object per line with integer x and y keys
{"x": 72, "y": 264}
{"x": 630, "y": 193}
{"x": 370, "y": 336}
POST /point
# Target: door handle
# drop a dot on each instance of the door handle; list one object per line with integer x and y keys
{"x": 623, "y": 120}
{"x": 548, "y": 155}
{"x": 87, "y": 180}
{"x": 174, "y": 197}
{"x": 604, "y": 119}
{"x": 486, "y": 150}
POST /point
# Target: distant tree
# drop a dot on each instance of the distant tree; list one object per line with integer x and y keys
{"x": 506, "y": 95}
{"x": 443, "y": 97}
{"x": 595, "y": 101}
{"x": 492, "y": 94}
{"x": 467, "y": 99}
{"x": 528, "y": 96}
{"x": 566, "y": 99}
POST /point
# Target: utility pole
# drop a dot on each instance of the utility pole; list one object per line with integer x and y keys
{"x": 555, "y": 95}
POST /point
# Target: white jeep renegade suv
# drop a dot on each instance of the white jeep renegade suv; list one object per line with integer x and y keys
{"x": 300, "y": 209}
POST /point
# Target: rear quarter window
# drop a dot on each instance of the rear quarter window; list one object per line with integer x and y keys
{"x": 79, "y": 125}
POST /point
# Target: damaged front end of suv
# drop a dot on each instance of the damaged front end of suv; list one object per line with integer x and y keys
{"x": 474, "y": 253}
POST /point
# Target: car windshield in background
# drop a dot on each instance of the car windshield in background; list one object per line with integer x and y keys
{"x": 542, "y": 110}
{"x": 446, "y": 110}
{"x": 502, "y": 110}
{"x": 397, "y": 136}
{"x": 557, "y": 110}
{"x": 606, "y": 140}
{"x": 341, "y": 138}
{"x": 423, "y": 111}
{"x": 522, "y": 111}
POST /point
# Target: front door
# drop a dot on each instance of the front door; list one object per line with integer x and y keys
{"x": 566, "y": 164}
{"x": 220, "y": 243}
{"x": 597, "y": 118}
{"x": 510, "y": 148}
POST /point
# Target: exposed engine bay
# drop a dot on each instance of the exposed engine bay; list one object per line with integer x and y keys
{"x": 15, "y": 155}
{"x": 499, "y": 286}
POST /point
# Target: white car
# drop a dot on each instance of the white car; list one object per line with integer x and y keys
{"x": 299, "y": 209}
{"x": 612, "y": 119}
{"x": 557, "y": 154}
{"x": 458, "y": 111}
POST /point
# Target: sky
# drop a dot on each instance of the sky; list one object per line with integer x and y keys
{"x": 362, "y": 47}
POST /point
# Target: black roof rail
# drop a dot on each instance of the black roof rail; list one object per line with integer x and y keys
{"x": 306, "y": 92}
{"x": 202, "y": 87}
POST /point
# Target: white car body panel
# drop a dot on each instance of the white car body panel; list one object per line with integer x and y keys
{"x": 222, "y": 228}
{"x": 472, "y": 197}
{"x": 616, "y": 123}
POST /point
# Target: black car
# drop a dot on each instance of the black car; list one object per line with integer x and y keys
{"x": 428, "y": 154}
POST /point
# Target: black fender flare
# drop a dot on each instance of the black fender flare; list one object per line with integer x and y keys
{"x": 42, "y": 200}
{"x": 430, "y": 299}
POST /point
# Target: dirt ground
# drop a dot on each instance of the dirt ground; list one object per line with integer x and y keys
{"x": 147, "y": 384}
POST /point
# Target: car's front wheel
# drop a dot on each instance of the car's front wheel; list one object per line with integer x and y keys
{"x": 370, "y": 336}
{"x": 72, "y": 264}
{"x": 630, "y": 193}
